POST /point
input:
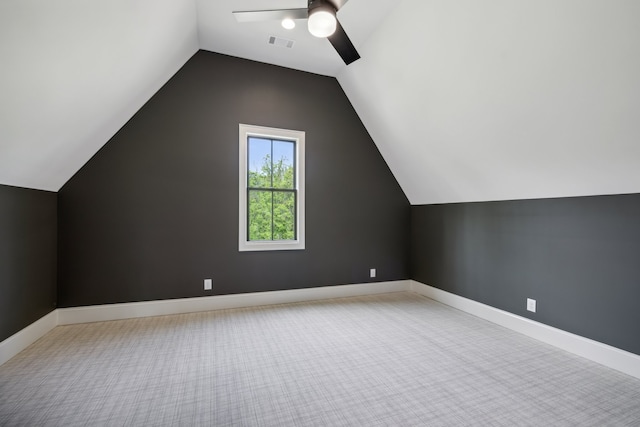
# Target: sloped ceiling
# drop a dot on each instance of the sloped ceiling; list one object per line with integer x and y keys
{"x": 467, "y": 100}
{"x": 496, "y": 99}
{"x": 73, "y": 72}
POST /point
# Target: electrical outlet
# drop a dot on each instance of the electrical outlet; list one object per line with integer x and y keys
{"x": 208, "y": 284}
{"x": 531, "y": 305}
{"x": 372, "y": 272}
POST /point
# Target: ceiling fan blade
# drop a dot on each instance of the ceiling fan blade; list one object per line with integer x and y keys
{"x": 343, "y": 45}
{"x": 269, "y": 15}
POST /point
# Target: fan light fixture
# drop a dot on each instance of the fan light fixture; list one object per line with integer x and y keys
{"x": 322, "y": 20}
{"x": 288, "y": 23}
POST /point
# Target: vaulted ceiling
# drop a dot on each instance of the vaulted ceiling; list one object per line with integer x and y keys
{"x": 467, "y": 100}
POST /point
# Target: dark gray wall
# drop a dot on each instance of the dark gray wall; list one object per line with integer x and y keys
{"x": 155, "y": 211}
{"x": 27, "y": 257}
{"x": 578, "y": 257}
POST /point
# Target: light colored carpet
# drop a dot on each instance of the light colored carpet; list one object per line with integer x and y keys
{"x": 387, "y": 360}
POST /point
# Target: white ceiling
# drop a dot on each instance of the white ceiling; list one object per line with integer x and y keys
{"x": 467, "y": 100}
{"x": 73, "y": 72}
{"x": 497, "y": 99}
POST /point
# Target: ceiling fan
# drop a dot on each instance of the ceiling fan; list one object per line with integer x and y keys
{"x": 322, "y": 22}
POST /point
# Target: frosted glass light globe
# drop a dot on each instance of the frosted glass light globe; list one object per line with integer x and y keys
{"x": 322, "y": 23}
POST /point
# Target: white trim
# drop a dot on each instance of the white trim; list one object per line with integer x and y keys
{"x": 284, "y": 134}
{"x": 598, "y": 352}
{"x": 606, "y": 355}
{"x": 27, "y": 336}
{"x": 98, "y": 313}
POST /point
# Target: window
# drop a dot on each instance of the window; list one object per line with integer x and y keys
{"x": 271, "y": 213}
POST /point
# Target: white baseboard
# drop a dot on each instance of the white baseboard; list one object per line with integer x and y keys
{"x": 27, "y": 336}
{"x": 99, "y": 313}
{"x": 612, "y": 357}
{"x": 604, "y": 354}
{"x": 67, "y": 316}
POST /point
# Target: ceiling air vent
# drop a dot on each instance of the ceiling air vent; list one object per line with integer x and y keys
{"x": 279, "y": 41}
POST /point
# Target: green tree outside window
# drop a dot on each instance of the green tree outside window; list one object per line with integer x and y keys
{"x": 271, "y": 190}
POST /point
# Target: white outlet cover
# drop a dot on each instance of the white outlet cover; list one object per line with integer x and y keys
{"x": 372, "y": 272}
{"x": 208, "y": 284}
{"x": 531, "y": 305}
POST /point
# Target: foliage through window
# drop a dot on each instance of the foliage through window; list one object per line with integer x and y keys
{"x": 271, "y": 190}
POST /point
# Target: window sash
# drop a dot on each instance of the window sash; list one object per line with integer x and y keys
{"x": 274, "y": 136}
{"x": 294, "y": 192}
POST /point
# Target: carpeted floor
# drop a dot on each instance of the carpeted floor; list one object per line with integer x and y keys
{"x": 386, "y": 360}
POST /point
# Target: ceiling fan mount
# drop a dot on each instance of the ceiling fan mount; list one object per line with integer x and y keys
{"x": 322, "y": 22}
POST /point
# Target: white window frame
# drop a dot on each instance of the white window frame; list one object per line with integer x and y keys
{"x": 245, "y": 131}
